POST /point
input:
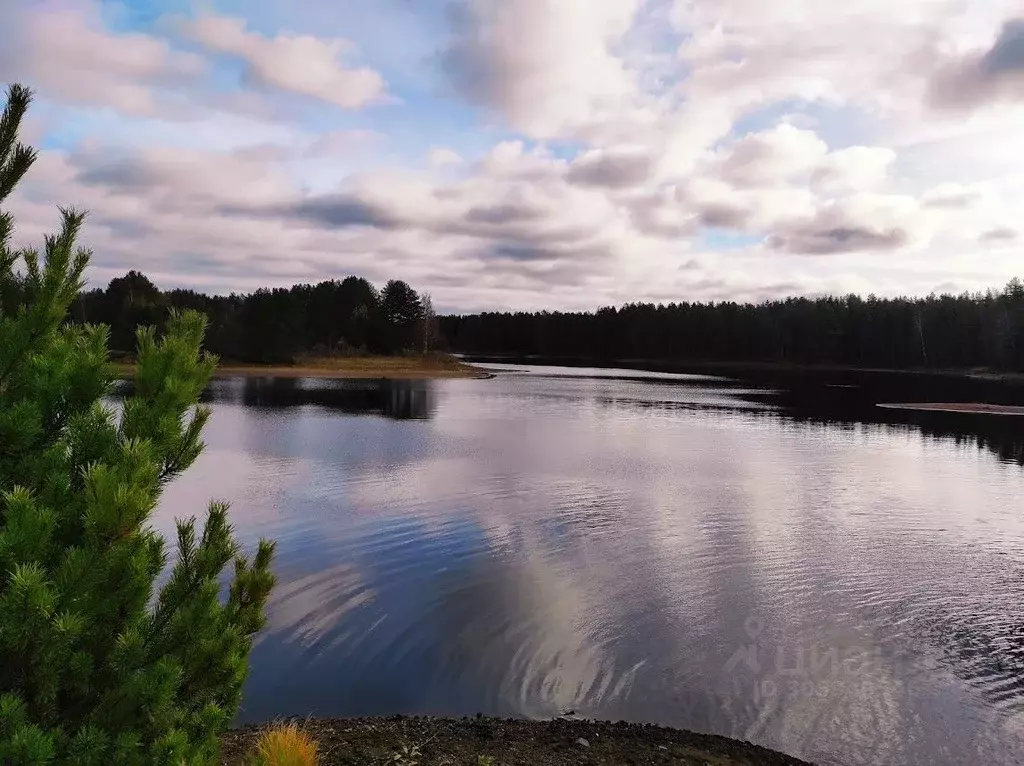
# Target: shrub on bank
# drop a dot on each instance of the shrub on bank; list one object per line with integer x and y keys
{"x": 96, "y": 668}
{"x": 285, "y": 745}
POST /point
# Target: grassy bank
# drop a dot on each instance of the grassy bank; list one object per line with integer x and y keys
{"x": 393, "y": 367}
{"x": 481, "y": 741}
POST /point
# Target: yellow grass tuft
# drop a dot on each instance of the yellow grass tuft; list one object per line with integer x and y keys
{"x": 285, "y": 745}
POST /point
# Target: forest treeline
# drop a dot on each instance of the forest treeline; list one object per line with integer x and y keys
{"x": 271, "y": 326}
{"x": 351, "y": 316}
{"x": 979, "y": 330}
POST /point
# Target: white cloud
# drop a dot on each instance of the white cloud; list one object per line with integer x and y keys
{"x": 342, "y": 142}
{"x": 549, "y": 68}
{"x": 993, "y": 73}
{"x": 300, "y": 64}
{"x": 440, "y": 156}
{"x": 67, "y": 53}
{"x": 855, "y": 168}
{"x": 952, "y": 196}
{"x": 772, "y": 157}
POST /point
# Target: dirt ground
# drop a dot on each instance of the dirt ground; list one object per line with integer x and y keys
{"x": 481, "y": 741}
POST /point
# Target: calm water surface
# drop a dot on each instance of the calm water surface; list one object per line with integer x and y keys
{"x": 683, "y": 550}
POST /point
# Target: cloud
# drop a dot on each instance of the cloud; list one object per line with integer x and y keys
{"x": 335, "y": 144}
{"x": 502, "y": 214}
{"x": 786, "y": 155}
{"x": 951, "y": 196}
{"x": 301, "y": 64}
{"x": 771, "y": 156}
{"x": 663, "y": 214}
{"x": 823, "y": 240}
{"x": 342, "y": 142}
{"x": 858, "y": 168}
{"x": 548, "y": 68}
{"x": 440, "y": 156}
{"x": 999, "y": 235}
{"x": 176, "y": 179}
{"x": 981, "y": 77}
{"x": 335, "y": 212}
{"x": 619, "y": 167}
{"x": 67, "y": 54}
{"x": 753, "y": 53}
{"x": 856, "y": 223}
{"x": 1007, "y": 54}
{"x": 723, "y": 216}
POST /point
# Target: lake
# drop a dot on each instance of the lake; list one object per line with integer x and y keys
{"x": 795, "y": 566}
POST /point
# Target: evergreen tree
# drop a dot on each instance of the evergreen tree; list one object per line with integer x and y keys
{"x": 401, "y": 308}
{"x": 96, "y": 667}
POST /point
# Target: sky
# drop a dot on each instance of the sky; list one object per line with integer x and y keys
{"x": 530, "y": 154}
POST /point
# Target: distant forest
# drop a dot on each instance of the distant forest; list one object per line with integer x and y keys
{"x": 273, "y": 326}
{"x": 351, "y": 316}
{"x": 982, "y": 330}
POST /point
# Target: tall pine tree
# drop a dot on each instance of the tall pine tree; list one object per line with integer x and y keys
{"x": 95, "y": 666}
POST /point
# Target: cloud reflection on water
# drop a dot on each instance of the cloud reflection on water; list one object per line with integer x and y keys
{"x": 538, "y": 544}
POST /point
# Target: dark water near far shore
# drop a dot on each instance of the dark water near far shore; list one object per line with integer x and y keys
{"x": 775, "y": 560}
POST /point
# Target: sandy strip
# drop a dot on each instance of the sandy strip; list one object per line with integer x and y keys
{"x": 966, "y": 407}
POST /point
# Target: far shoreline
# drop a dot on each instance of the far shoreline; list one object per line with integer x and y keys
{"x": 346, "y": 368}
{"x": 506, "y": 741}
